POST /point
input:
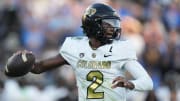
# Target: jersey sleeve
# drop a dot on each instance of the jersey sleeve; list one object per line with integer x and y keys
{"x": 66, "y": 49}
{"x": 142, "y": 80}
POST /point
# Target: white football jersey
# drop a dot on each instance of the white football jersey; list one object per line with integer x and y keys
{"x": 95, "y": 69}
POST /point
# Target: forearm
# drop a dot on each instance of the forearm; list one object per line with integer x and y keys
{"x": 143, "y": 84}
{"x": 142, "y": 80}
{"x": 48, "y": 64}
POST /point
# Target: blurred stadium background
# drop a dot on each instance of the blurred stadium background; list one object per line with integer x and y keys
{"x": 153, "y": 26}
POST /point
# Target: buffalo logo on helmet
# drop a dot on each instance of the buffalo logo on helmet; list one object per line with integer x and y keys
{"x": 90, "y": 11}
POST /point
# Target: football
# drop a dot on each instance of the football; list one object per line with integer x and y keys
{"x": 19, "y": 64}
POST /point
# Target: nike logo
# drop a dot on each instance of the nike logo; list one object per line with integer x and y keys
{"x": 107, "y": 55}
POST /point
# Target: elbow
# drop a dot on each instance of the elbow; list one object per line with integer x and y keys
{"x": 143, "y": 84}
{"x": 149, "y": 84}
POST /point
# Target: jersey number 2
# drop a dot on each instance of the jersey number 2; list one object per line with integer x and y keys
{"x": 97, "y": 79}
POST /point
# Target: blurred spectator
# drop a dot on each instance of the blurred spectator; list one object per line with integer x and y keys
{"x": 13, "y": 92}
{"x": 34, "y": 38}
{"x": 9, "y": 19}
{"x": 172, "y": 16}
{"x": 154, "y": 55}
{"x": 151, "y": 96}
{"x": 132, "y": 30}
{"x": 174, "y": 51}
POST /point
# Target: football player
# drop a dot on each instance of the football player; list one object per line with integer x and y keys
{"x": 100, "y": 59}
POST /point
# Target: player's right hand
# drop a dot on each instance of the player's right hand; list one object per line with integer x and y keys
{"x": 122, "y": 82}
{"x": 20, "y": 63}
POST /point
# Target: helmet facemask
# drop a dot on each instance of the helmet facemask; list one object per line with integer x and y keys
{"x": 110, "y": 30}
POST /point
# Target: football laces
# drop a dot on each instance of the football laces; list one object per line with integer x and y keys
{"x": 23, "y": 56}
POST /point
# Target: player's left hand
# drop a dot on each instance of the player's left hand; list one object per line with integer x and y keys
{"x": 122, "y": 82}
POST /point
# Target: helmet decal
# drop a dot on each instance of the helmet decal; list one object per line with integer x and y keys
{"x": 90, "y": 11}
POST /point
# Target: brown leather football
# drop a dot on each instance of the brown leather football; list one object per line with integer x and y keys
{"x": 19, "y": 64}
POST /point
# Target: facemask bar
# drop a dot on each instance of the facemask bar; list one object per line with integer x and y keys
{"x": 112, "y": 22}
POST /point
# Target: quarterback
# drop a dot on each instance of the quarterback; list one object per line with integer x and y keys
{"x": 100, "y": 59}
